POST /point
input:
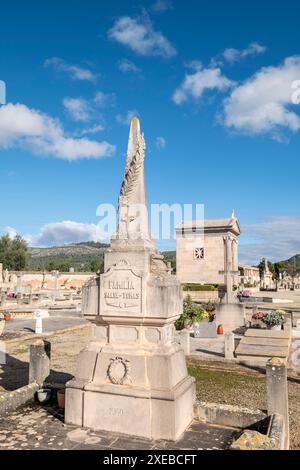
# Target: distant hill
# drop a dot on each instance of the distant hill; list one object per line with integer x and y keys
{"x": 294, "y": 261}
{"x": 81, "y": 255}
{"x": 78, "y": 255}
{"x": 84, "y": 256}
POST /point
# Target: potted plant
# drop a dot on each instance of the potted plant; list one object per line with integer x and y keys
{"x": 185, "y": 320}
{"x": 192, "y": 314}
{"x": 274, "y": 320}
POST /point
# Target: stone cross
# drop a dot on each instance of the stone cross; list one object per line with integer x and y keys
{"x": 229, "y": 272}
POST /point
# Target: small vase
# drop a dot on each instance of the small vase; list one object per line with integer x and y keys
{"x": 44, "y": 395}
{"x": 276, "y": 328}
{"x": 220, "y": 330}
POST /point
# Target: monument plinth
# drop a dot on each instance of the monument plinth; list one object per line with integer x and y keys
{"x": 132, "y": 377}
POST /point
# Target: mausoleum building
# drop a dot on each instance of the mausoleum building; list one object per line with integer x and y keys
{"x": 206, "y": 252}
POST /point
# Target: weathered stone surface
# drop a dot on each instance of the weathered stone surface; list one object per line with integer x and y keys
{"x": 277, "y": 392}
{"x": 227, "y": 415}
{"x": 39, "y": 364}
{"x": 11, "y": 401}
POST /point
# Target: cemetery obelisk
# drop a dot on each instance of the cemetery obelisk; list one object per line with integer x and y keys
{"x": 132, "y": 377}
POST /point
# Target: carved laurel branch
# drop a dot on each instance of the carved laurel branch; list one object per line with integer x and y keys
{"x": 133, "y": 172}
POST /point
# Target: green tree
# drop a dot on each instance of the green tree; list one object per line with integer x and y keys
{"x": 271, "y": 266}
{"x": 13, "y": 253}
{"x": 96, "y": 265}
{"x": 64, "y": 267}
{"x": 279, "y": 267}
{"x": 51, "y": 266}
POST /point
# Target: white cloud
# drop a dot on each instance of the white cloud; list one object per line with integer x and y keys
{"x": 262, "y": 104}
{"x": 160, "y": 142}
{"x": 11, "y": 232}
{"x": 104, "y": 99}
{"x": 74, "y": 71}
{"x": 195, "y": 84}
{"x": 162, "y": 5}
{"x": 277, "y": 239}
{"x": 82, "y": 110}
{"x": 125, "y": 119}
{"x": 126, "y": 66}
{"x": 77, "y": 108}
{"x": 22, "y": 127}
{"x": 139, "y": 35}
{"x": 92, "y": 130}
{"x": 234, "y": 55}
{"x": 60, "y": 233}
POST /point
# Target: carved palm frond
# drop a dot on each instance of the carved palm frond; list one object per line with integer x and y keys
{"x": 133, "y": 172}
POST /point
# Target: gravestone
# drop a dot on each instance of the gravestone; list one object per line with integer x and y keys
{"x": 132, "y": 377}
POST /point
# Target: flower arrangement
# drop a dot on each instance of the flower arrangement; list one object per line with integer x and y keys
{"x": 246, "y": 293}
{"x": 257, "y": 316}
{"x": 272, "y": 318}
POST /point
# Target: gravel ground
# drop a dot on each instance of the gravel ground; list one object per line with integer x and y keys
{"x": 64, "y": 353}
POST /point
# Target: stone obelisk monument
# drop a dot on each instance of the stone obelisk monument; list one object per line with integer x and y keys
{"x": 132, "y": 377}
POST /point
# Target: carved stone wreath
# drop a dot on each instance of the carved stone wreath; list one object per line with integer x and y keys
{"x": 118, "y": 371}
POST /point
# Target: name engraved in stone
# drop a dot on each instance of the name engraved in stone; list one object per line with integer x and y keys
{"x": 126, "y": 285}
{"x": 123, "y": 293}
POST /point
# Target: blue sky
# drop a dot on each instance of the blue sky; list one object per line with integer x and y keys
{"x": 212, "y": 84}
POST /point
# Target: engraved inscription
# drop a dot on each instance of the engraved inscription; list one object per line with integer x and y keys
{"x": 115, "y": 411}
{"x": 122, "y": 290}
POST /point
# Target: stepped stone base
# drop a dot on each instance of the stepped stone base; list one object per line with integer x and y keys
{"x": 154, "y": 401}
{"x": 260, "y": 345}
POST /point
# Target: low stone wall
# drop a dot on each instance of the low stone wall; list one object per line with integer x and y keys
{"x": 250, "y": 422}
{"x": 36, "y": 279}
{"x": 227, "y": 415}
{"x": 11, "y": 401}
{"x": 203, "y": 296}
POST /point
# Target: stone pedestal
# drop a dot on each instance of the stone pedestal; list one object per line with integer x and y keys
{"x": 132, "y": 378}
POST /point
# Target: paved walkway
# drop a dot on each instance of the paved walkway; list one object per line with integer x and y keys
{"x": 36, "y": 428}
{"x": 49, "y": 324}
